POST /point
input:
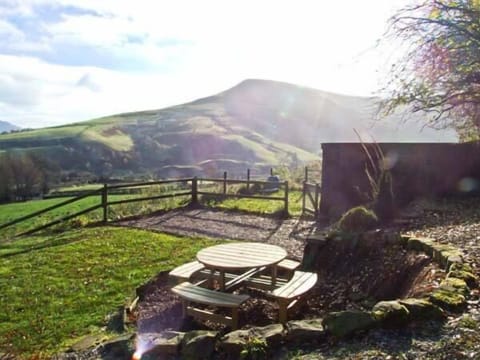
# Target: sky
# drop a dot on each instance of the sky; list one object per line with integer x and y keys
{"x": 63, "y": 61}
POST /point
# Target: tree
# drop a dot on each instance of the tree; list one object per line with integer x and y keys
{"x": 439, "y": 73}
{"x": 22, "y": 177}
{"x": 6, "y": 180}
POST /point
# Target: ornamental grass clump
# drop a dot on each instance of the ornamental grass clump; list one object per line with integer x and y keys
{"x": 357, "y": 219}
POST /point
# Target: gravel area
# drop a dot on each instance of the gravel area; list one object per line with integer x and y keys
{"x": 287, "y": 233}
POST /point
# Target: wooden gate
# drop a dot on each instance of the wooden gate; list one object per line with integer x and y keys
{"x": 310, "y": 198}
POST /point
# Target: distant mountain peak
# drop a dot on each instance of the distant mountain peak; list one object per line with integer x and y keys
{"x": 6, "y": 126}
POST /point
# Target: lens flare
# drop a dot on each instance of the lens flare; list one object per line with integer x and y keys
{"x": 141, "y": 347}
{"x": 137, "y": 355}
{"x": 467, "y": 184}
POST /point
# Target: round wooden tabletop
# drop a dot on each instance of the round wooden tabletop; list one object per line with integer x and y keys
{"x": 241, "y": 255}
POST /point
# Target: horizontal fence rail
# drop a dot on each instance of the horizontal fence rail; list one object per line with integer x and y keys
{"x": 58, "y": 221}
{"x": 116, "y": 202}
{"x": 159, "y": 182}
{"x": 50, "y": 208}
{"x": 187, "y": 187}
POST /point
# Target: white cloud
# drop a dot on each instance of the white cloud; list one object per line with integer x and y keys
{"x": 34, "y": 93}
{"x": 165, "y": 53}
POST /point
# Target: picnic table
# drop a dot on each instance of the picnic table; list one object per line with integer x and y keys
{"x": 240, "y": 263}
{"x": 241, "y": 256}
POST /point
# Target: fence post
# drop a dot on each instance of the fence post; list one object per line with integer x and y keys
{"x": 271, "y": 171}
{"x": 317, "y": 194}
{"x": 306, "y": 174}
{"x": 248, "y": 180}
{"x": 105, "y": 202}
{"x": 224, "y": 182}
{"x": 304, "y": 190}
{"x": 194, "y": 191}
{"x": 286, "y": 199}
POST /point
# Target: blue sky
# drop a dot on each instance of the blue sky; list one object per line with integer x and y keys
{"x": 69, "y": 60}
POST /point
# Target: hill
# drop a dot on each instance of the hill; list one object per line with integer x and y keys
{"x": 256, "y": 124}
{"x": 6, "y": 126}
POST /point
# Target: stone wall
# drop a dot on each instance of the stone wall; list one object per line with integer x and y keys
{"x": 418, "y": 170}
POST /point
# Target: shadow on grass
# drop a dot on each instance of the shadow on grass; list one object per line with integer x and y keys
{"x": 23, "y": 246}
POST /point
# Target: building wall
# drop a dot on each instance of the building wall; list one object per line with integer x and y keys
{"x": 418, "y": 170}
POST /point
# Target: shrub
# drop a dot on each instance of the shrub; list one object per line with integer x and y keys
{"x": 255, "y": 349}
{"x": 357, "y": 219}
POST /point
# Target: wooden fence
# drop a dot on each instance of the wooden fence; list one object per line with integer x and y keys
{"x": 310, "y": 198}
{"x": 191, "y": 186}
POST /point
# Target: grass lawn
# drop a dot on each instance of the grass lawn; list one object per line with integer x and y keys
{"x": 9, "y": 212}
{"x": 58, "y": 288}
{"x": 263, "y": 206}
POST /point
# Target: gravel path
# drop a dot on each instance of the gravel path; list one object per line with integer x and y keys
{"x": 288, "y": 233}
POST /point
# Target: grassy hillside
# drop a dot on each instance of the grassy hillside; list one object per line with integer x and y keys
{"x": 256, "y": 124}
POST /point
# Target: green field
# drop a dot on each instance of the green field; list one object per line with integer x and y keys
{"x": 260, "y": 206}
{"x": 9, "y": 212}
{"x": 63, "y": 283}
{"x": 60, "y": 287}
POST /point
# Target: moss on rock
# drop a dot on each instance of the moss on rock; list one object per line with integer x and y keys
{"x": 391, "y": 313}
{"x": 456, "y": 284}
{"x": 421, "y": 244}
{"x": 198, "y": 344}
{"x": 464, "y": 272}
{"x": 422, "y": 309}
{"x": 448, "y": 299}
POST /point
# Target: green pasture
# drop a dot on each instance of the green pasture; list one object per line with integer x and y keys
{"x": 9, "y": 212}
{"x": 60, "y": 287}
{"x": 260, "y": 206}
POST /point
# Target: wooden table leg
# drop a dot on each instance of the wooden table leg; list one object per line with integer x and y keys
{"x": 274, "y": 275}
{"x": 222, "y": 280}
{"x": 210, "y": 279}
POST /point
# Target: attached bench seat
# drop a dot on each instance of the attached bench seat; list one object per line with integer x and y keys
{"x": 184, "y": 272}
{"x": 261, "y": 281}
{"x": 289, "y": 264}
{"x": 288, "y": 294}
{"x": 190, "y": 293}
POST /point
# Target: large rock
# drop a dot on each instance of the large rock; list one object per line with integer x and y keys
{"x": 155, "y": 345}
{"x": 344, "y": 323}
{"x": 459, "y": 285}
{"x": 422, "y": 309}
{"x": 421, "y": 244}
{"x": 305, "y": 330}
{"x": 448, "y": 299}
{"x": 234, "y": 342}
{"x": 272, "y": 334}
{"x": 121, "y": 347}
{"x": 199, "y": 344}
{"x": 464, "y": 272}
{"x": 391, "y": 313}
